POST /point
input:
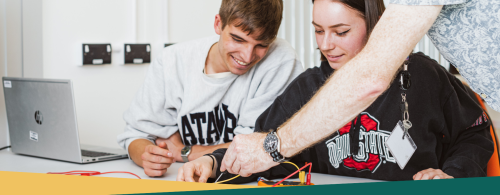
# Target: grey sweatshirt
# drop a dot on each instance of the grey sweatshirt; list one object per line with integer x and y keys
{"x": 178, "y": 96}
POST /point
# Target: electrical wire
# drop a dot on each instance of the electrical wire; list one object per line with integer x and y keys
{"x": 228, "y": 179}
{"x": 288, "y": 162}
{"x": 5, "y": 147}
{"x": 302, "y": 174}
{"x": 308, "y": 164}
{"x": 91, "y": 173}
{"x": 308, "y": 182}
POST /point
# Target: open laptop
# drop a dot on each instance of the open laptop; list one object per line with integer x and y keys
{"x": 42, "y": 122}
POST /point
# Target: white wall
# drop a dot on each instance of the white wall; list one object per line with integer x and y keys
{"x": 191, "y": 19}
{"x": 20, "y": 46}
{"x": 32, "y": 40}
{"x": 10, "y": 53}
{"x": 3, "y": 64}
{"x": 103, "y": 93}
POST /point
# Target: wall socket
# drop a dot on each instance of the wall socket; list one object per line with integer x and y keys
{"x": 96, "y": 54}
{"x": 137, "y": 53}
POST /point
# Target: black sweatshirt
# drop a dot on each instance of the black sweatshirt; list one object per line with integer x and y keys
{"x": 449, "y": 128}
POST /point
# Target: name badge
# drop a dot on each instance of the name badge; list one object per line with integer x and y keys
{"x": 401, "y": 148}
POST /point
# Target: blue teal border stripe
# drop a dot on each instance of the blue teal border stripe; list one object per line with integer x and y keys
{"x": 470, "y": 186}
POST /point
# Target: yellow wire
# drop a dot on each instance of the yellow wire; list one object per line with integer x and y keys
{"x": 288, "y": 162}
{"x": 239, "y": 175}
{"x": 229, "y": 179}
{"x": 302, "y": 174}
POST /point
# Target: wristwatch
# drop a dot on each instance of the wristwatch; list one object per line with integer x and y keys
{"x": 185, "y": 153}
{"x": 272, "y": 146}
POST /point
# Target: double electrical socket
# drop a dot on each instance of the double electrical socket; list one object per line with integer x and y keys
{"x": 99, "y": 54}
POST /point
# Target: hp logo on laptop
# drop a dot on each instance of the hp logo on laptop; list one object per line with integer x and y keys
{"x": 38, "y": 117}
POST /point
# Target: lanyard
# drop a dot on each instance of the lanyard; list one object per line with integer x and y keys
{"x": 354, "y": 134}
{"x": 404, "y": 81}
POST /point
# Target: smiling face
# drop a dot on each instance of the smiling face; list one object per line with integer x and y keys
{"x": 340, "y": 31}
{"x": 238, "y": 50}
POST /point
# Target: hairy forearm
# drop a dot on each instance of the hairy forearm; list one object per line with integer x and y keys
{"x": 198, "y": 151}
{"x": 356, "y": 85}
{"x": 136, "y": 149}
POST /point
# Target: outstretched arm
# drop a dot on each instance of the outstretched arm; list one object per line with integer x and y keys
{"x": 349, "y": 91}
{"x": 362, "y": 80}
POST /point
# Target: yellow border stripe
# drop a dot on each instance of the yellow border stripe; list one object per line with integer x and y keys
{"x": 39, "y": 183}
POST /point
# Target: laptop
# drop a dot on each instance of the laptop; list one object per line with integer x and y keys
{"x": 42, "y": 122}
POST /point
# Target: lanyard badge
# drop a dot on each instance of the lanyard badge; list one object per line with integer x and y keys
{"x": 399, "y": 143}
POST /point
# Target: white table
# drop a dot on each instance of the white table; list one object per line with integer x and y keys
{"x": 20, "y": 163}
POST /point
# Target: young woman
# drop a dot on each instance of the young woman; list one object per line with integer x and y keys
{"x": 449, "y": 129}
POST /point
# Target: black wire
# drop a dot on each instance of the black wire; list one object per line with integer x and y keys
{"x": 5, "y": 147}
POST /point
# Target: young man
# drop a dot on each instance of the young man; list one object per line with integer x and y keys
{"x": 198, "y": 95}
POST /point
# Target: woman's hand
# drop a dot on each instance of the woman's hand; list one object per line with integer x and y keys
{"x": 198, "y": 170}
{"x": 431, "y": 173}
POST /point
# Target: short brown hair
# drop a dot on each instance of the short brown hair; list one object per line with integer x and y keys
{"x": 371, "y": 10}
{"x": 253, "y": 15}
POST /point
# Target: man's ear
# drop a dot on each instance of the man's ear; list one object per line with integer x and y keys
{"x": 218, "y": 24}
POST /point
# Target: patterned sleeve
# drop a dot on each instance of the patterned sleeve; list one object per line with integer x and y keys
{"x": 426, "y": 2}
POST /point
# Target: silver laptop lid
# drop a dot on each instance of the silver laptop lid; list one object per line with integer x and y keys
{"x": 41, "y": 118}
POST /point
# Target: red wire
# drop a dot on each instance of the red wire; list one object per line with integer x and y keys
{"x": 308, "y": 182}
{"x": 122, "y": 172}
{"x": 90, "y": 173}
{"x": 308, "y": 164}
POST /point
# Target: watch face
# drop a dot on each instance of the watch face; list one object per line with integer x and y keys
{"x": 185, "y": 150}
{"x": 271, "y": 142}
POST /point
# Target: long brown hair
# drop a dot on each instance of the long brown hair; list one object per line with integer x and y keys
{"x": 371, "y": 10}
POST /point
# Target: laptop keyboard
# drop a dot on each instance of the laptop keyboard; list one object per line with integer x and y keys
{"x": 94, "y": 154}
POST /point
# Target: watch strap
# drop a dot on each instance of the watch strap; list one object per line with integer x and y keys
{"x": 185, "y": 155}
{"x": 185, "y": 158}
{"x": 277, "y": 157}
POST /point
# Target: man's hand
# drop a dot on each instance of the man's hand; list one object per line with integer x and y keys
{"x": 174, "y": 145}
{"x": 246, "y": 155}
{"x": 156, "y": 160}
{"x": 198, "y": 170}
{"x": 431, "y": 173}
